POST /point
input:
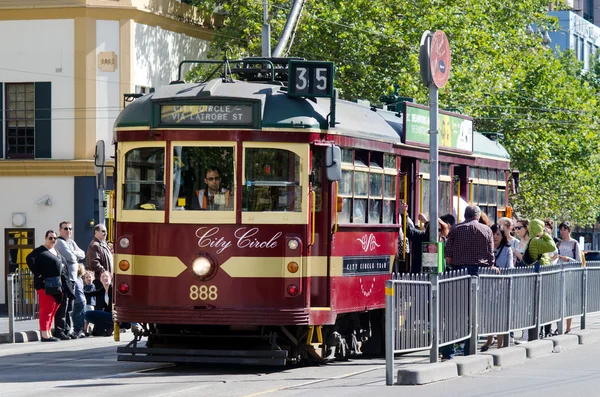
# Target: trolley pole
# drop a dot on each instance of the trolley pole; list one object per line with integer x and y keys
{"x": 266, "y": 31}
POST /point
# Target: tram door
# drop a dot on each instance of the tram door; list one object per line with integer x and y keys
{"x": 407, "y": 193}
{"x": 319, "y": 252}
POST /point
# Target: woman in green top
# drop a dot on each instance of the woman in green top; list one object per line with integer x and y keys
{"x": 540, "y": 245}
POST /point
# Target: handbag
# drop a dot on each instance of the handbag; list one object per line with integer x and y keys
{"x": 53, "y": 285}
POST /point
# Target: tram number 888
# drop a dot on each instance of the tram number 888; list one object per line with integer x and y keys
{"x": 204, "y": 292}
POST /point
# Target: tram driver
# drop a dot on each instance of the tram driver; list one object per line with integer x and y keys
{"x": 214, "y": 197}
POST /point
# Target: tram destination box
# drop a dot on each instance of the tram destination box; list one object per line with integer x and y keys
{"x": 217, "y": 114}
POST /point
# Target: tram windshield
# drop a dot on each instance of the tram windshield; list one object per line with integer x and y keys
{"x": 272, "y": 180}
{"x": 144, "y": 186}
{"x": 203, "y": 178}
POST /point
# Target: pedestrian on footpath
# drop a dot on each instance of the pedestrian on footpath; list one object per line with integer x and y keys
{"x": 470, "y": 245}
{"x": 568, "y": 252}
{"x": 47, "y": 264}
{"x": 99, "y": 258}
{"x": 66, "y": 246}
{"x": 90, "y": 300}
{"x": 101, "y": 317}
{"x": 522, "y": 232}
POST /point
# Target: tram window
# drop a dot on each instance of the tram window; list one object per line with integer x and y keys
{"x": 483, "y": 173}
{"x": 360, "y": 183}
{"x": 426, "y": 187}
{"x": 482, "y": 190}
{"x": 473, "y": 172}
{"x": 375, "y": 185}
{"x": 501, "y": 198}
{"x": 345, "y": 186}
{"x": 317, "y": 178}
{"x": 389, "y": 186}
{"x": 389, "y": 209}
{"x": 492, "y": 194}
{"x": 347, "y": 156}
{"x": 361, "y": 158}
{"x": 374, "y": 211}
{"x": 272, "y": 181}
{"x": 376, "y": 160}
{"x": 203, "y": 178}
{"x": 424, "y": 167}
{"x": 492, "y": 175}
{"x": 444, "y": 197}
{"x": 359, "y": 211}
{"x": 144, "y": 187}
{"x": 389, "y": 161}
{"x": 445, "y": 169}
{"x": 344, "y": 216}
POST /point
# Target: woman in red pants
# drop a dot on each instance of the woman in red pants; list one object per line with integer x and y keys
{"x": 45, "y": 262}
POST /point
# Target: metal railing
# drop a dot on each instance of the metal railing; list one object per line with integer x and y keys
{"x": 22, "y": 299}
{"x": 488, "y": 304}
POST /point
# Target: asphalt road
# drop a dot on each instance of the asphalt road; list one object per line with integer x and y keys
{"x": 89, "y": 367}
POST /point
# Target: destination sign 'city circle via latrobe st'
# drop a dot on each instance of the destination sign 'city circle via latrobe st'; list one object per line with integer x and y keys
{"x": 218, "y": 114}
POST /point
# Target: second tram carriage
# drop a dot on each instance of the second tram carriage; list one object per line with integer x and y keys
{"x": 286, "y": 257}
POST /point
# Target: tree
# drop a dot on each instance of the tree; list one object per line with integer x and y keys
{"x": 538, "y": 100}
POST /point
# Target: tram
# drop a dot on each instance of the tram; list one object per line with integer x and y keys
{"x": 257, "y": 214}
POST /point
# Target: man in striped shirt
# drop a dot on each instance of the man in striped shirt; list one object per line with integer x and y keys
{"x": 470, "y": 244}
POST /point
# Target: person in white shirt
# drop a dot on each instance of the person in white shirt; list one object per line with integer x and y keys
{"x": 568, "y": 251}
{"x": 66, "y": 246}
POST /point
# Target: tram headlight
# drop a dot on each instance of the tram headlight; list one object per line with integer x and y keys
{"x": 293, "y": 244}
{"x": 124, "y": 242}
{"x": 202, "y": 267}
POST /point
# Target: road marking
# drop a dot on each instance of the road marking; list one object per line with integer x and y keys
{"x": 260, "y": 393}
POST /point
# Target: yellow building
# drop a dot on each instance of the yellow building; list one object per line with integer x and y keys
{"x": 64, "y": 67}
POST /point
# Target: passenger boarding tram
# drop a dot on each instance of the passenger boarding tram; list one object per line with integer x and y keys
{"x": 257, "y": 221}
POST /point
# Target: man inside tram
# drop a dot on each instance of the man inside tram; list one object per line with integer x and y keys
{"x": 214, "y": 197}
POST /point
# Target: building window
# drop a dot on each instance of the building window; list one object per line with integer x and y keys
{"x": 20, "y": 120}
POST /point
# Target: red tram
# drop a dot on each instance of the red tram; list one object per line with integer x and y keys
{"x": 257, "y": 223}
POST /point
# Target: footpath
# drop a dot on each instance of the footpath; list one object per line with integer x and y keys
{"x": 415, "y": 368}
{"x": 419, "y": 372}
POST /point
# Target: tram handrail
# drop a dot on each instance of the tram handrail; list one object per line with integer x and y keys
{"x": 314, "y": 216}
{"x": 273, "y": 183}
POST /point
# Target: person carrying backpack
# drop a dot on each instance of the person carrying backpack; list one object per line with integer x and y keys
{"x": 540, "y": 245}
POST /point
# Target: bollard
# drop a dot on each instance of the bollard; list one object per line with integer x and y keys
{"x": 561, "y": 308}
{"x": 585, "y": 290}
{"x": 389, "y": 332}
{"x": 11, "y": 307}
{"x": 474, "y": 325}
{"x": 434, "y": 355}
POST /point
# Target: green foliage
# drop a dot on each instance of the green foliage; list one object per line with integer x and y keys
{"x": 542, "y": 103}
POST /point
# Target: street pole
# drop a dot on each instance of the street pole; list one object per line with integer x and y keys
{"x": 433, "y": 213}
{"x": 266, "y": 31}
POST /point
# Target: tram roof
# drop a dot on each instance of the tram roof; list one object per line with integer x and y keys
{"x": 278, "y": 110}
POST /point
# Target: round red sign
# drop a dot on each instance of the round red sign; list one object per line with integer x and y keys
{"x": 439, "y": 61}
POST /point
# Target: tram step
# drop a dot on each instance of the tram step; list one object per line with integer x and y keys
{"x": 245, "y": 357}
